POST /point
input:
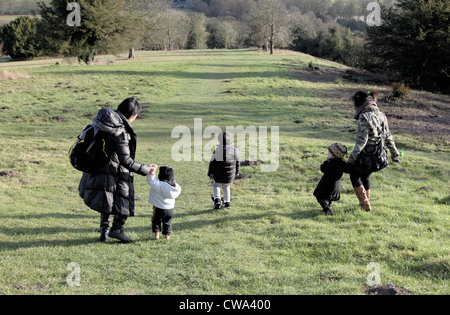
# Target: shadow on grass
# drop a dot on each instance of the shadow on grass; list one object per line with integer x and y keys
{"x": 182, "y": 74}
{"x": 46, "y": 236}
{"x": 223, "y": 216}
{"x": 48, "y": 215}
{"x": 11, "y": 246}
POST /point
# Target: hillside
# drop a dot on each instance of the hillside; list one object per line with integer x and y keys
{"x": 274, "y": 239}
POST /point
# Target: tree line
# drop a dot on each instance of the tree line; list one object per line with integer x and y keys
{"x": 324, "y": 9}
{"x": 412, "y": 43}
{"x": 152, "y": 24}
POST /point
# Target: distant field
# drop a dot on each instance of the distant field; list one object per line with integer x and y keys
{"x": 20, "y": 6}
{"x": 5, "y": 19}
{"x": 274, "y": 239}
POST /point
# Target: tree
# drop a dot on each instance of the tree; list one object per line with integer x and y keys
{"x": 240, "y": 8}
{"x": 171, "y": 33}
{"x": 219, "y": 8}
{"x": 413, "y": 42}
{"x": 9, "y": 5}
{"x": 200, "y": 6}
{"x": 20, "y": 38}
{"x": 222, "y": 34}
{"x": 105, "y": 28}
{"x": 197, "y": 32}
{"x": 269, "y": 22}
{"x": 148, "y": 14}
{"x": 339, "y": 44}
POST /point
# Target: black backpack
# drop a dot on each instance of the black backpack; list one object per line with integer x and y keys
{"x": 88, "y": 153}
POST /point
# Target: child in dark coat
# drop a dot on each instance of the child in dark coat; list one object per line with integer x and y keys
{"x": 329, "y": 187}
{"x": 223, "y": 168}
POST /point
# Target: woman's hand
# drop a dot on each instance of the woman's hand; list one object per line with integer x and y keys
{"x": 395, "y": 159}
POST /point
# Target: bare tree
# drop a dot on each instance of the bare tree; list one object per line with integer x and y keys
{"x": 197, "y": 32}
{"x": 8, "y": 5}
{"x": 148, "y": 14}
{"x": 171, "y": 33}
{"x": 176, "y": 29}
{"x": 269, "y": 22}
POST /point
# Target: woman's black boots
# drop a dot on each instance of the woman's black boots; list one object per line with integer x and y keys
{"x": 116, "y": 230}
{"x": 105, "y": 219}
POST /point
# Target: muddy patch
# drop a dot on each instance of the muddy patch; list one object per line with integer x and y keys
{"x": 9, "y": 173}
{"x": 388, "y": 289}
{"x": 243, "y": 176}
{"x": 428, "y": 189}
{"x": 58, "y": 118}
{"x": 250, "y": 163}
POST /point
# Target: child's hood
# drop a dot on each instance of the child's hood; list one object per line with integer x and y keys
{"x": 169, "y": 191}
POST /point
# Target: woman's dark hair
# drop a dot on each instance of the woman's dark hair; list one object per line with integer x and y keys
{"x": 361, "y": 96}
{"x": 129, "y": 107}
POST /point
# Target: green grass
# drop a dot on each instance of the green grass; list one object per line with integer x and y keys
{"x": 274, "y": 239}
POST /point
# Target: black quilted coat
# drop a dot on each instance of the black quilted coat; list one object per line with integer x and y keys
{"x": 329, "y": 187}
{"x": 224, "y": 164}
{"x": 110, "y": 189}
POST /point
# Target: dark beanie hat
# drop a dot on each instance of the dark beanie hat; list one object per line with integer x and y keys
{"x": 167, "y": 174}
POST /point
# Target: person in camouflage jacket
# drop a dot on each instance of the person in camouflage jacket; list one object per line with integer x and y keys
{"x": 372, "y": 126}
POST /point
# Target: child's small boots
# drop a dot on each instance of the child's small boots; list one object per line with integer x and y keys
{"x": 217, "y": 203}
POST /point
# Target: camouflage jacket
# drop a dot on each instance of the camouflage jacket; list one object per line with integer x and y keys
{"x": 372, "y": 125}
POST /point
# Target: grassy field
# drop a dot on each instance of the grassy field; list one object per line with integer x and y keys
{"x": 274, "y": 239}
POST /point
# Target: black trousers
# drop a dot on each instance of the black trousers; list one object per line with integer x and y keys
{"x": 162, "y": 217}
{"x": 325, "y": 204}
{"x": 118, "y": 223}
{"x": 359, "y": 179}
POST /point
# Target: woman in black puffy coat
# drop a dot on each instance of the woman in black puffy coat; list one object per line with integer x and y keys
{"x": 110, "y": 190}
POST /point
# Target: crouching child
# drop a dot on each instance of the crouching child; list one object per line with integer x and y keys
{"x": 223, "y": 168}
{"x": 163, "y": 192}
{"x": 329, "y": 187}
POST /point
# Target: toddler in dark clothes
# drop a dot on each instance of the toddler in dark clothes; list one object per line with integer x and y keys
{"x": 329, "y": 187}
